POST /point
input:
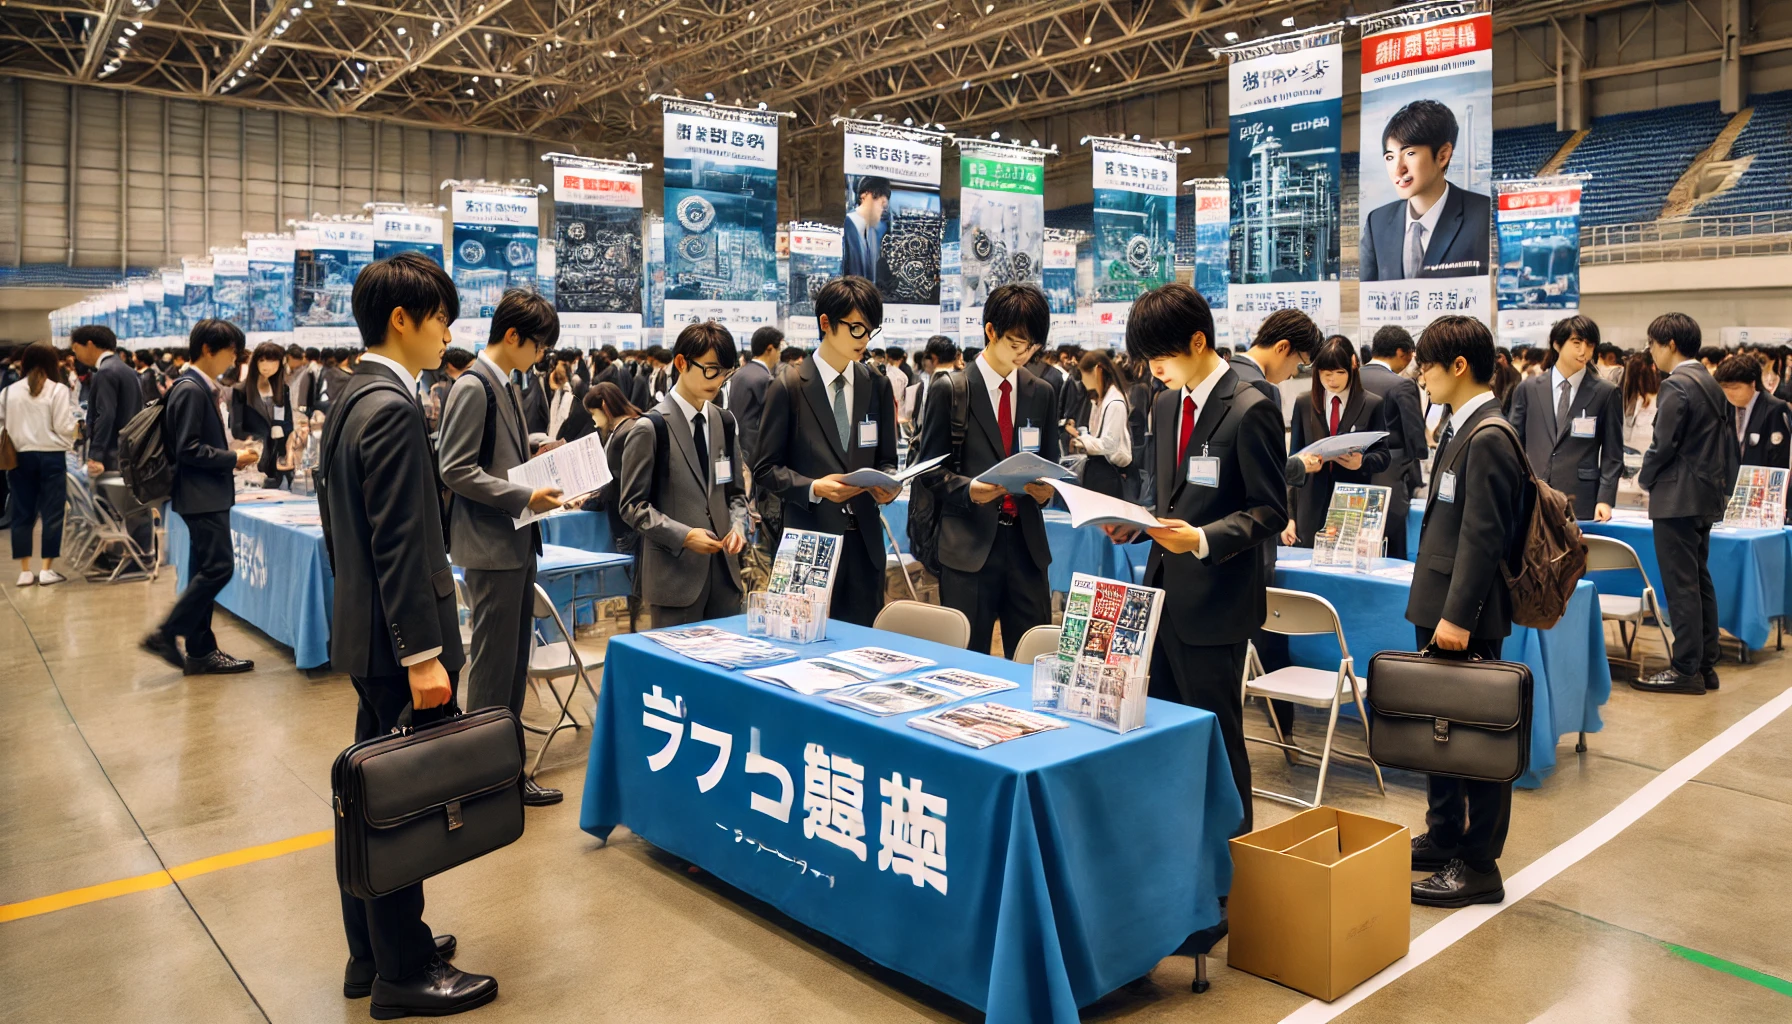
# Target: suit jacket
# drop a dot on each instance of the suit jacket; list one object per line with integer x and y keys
{"x": 798, "y": 443}
{"x": 534, "y": 398}
{"x": 967, "y": 529}
{"x": 1691, "y": 463}
{"x": 746, "y": 399}
{"x": 480, "y": 517}
{"x": 856, "y": 259}
{"x": 1403, "y": 417}
{"x": 1220, "y": 599}
{"x": 1584, "y": 468}
{"x": 1458, "y": 246}
{"x": 380, "y": 497}
{"x": 1462, "y": 543}
{"x": 114, "y": 395}
{"x": 1313, "y": 496}
{"x": 253, "y": 417}
{"x": 1767, "y": 441}
{"x": 205, "y": 467}
{"x": 327, "y": 386}
{"x": 690, "y": 499}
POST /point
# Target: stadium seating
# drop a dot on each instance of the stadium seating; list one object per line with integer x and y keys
{"x": 1519, "y": 152}
{"x": 1767, "y": 184}
{"x": 1635, "y": 158}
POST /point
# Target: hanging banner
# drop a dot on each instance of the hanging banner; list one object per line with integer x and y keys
{"x": 172, "y": 327}
{"x": 721, "y": 226}
{"x": 1286, "y": 102}
{"x": 816, "y": 255}
{"x": 196, "y": 300}
{"x": 1212, "y": 200}
{"x": 1427, "y": 112}
{"x": 139, "y": 318}
{"x": 324, "y": 280}
{"x": 1057, "y": 276}
{"x": 1538, "y": 280}
{"x": 270, "y": 266}
{"x": 230, "y": 286}
{"x": 598, "y": 258}
{"x": 495, "y": 235}
{"x": 546, "y": 254}
{"x": 1001, "y": 214}
{"x": 1135, "y": 224}
{"x": 407, "y": 230}
{"x": 895, "y": 222}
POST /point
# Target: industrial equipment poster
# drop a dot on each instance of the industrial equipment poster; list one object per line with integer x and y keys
{"x": 196, "y": 300}
{"x": 1286, "y": 100}
{"x": 396, "y": 231}
{"x": 598, "y": 262}
{"x": 1135, "y": 224}
{"x": 1213, "y": 238}
{"x": 1058, "y": 277}
{"x": 140, "y": 318}
{"x": 1538, "y": 279}
{"x": 721, "y": 204}
{"x": 230, "y": 286}
{"x": 493, "y": 251}
{"x": 324, "y": 281}
{"x": 1428, "y": 113}
{"x": 172, "y": 325}
{"x": 894, "y": 223}
{"x": 1001, "y": 214}
{"x": 815, "y": 255}
{"x": 270, "y": 266}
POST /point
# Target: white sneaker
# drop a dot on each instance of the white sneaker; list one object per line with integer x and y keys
{"x": 49, "y": 577}
{"x": 27, "y": 578}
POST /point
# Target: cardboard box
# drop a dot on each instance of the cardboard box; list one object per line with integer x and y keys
{"x": 1321, "y": 901}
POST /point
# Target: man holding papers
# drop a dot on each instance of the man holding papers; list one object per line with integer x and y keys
{"x": 483, "y": 437}
{"x": 993, "y": 551}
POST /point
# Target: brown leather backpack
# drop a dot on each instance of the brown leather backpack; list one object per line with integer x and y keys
{"x": 1551, "y": 556}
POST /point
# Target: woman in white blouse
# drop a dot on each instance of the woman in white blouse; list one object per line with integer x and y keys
{"x": 1642, "y": 383}
{"x": 1107, "y": 439}
{"x": 38, "y": 414}
{"x": 562, "y": 399}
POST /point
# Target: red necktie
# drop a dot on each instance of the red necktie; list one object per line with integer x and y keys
{"x": 1334, "y": 415}
{"x": 1188, "y": 426}
{"x": 1005, "y": 424}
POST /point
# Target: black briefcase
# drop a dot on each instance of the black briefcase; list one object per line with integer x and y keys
{"x": 416, "y": 802}
{"x": 1446, "y": 715}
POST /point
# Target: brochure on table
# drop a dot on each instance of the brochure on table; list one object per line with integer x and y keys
{"x": 983, "y": 725}
{"x": 1354, "y": 523}
{"x": 1100, "y": 671}
{"x": 719, "y": 647}
{"x": 1758, "y": 500}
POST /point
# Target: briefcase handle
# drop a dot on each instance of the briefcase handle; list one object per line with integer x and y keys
{"x": 1433, "y": 651}
{"x": 436, "y": 716}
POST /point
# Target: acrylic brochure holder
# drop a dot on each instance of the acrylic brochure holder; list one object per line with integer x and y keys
{"x": 788, "y": 618}
{"x": 1105, "y": 696}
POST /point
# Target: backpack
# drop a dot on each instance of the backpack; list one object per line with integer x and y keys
{"x": 1551, "y": 556}
{"x": 662, "y": 446}
{"x": 143, "y": 456}
{"x": 923, "y": 504}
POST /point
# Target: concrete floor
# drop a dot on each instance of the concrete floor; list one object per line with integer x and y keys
{"x": 119, "y": 766}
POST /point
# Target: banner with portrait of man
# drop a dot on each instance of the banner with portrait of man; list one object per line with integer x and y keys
{"x": 894, "y": 222}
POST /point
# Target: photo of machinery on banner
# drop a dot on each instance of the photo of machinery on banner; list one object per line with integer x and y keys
{"x": 140, "y": 322}
{"x": 196, "y": 280}
{"x": 1058, "y": 277}
{"x": 1001, "y": 217}
{"x": 328, "y": 255}
{"x": 721, "y": 206}
{"x": 492, "y": 250}
{"x": 1428, "y": 112}
{"x": 404, "y": 227}
{"x": 894, "y": 222}
{"x": 172, "y": 327}
{"x": 1212, "y": 201}
{"x": 598, "y": 255}
{"x": 230, "y": 286}
{"x": 1135, "y": 226}
{"x": 1286, "y": 100}
{"x": 270, "y": 264}
{"x": 815, "y": 259}
{"x": 1537, "y": 281}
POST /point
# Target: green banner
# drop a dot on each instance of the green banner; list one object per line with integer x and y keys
{"x": 1002, "y": 176}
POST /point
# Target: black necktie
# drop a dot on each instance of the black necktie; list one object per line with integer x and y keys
{"x": 700, "y": 437}
{"x": 1443, "y": 442}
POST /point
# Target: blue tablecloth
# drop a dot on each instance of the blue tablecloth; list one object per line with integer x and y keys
{"x": 1077, "y": 858}
{"x": 1748, "y": 567}
{"x": 587, "y": 531}
{"x": 1087, "y": 550}
{"x": 1568, "y": 663}
{"x": 573, "y": 577}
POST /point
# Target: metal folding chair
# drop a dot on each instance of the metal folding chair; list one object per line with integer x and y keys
{"x": 1609, "y": 554}
{"x": 561, "y": 659}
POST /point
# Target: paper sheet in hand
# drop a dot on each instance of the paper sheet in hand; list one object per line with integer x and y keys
{"x": 889, "y": 481}
{"x": 1343, "y": 444}
{"x": 577, "y": 468}
{"x": 1015, "y": 472}
{"x": 1088, "y": 507}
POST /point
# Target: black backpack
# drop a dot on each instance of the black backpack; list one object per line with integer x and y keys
{"x": 143, "y": 456}
{"x": 923, "y": 504}
{"x": 662, "y": 444}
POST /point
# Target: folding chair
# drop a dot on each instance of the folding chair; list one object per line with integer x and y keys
{"x": 1609, "y": 554}
{"x": 91, "y": 529}
{"x": 926, "y": 621}
{"x": 904, "y": 562}
{"x": 558, "y": 660}
{"x": 1036, "y": 641}
{"x": 1294, "y": 613}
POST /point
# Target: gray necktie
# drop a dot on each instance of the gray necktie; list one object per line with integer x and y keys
{"x": 1415, "y": 248}
{"x": 842, "y": 421}
{"x": 1562, "y": 409}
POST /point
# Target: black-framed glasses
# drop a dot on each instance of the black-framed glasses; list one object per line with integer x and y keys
{"x": 711, "y": 371}
{"x": 860, "y": 331}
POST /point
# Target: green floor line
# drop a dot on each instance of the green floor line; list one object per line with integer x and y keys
{"x": 1717, "y": 963}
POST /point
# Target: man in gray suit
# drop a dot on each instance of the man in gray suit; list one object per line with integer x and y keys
{"x": 687, "y": 501}
{"x": 478, "y": 446}
{"x": 1384, "y": 376}
{"x": 1572, "y": 422}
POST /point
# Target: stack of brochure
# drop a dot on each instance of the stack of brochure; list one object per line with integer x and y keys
{"x": 983, "y": 725}
{"x": 860, "y": 665}
{"x": 1099, "y": 674}
{"x": 930, "y": 689}
{"x": 795, "y": 606}
{"x": 719, "y": 647}
{"x": 1354, "y": 523}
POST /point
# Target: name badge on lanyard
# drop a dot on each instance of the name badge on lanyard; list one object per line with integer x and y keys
{"x": 1585, "y": 426}
{"x": 1203, "y": 469}
{"x": 724, "y": 470}
{"x": 1446, "y": 487}
{"x": 1029, "y": 439}
{"x": 868, "y": 434}
{"x": 276, "y": 432}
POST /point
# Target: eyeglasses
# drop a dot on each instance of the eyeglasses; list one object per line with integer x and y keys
{"x": 711, "y": 371}
{"x": 860, "y": 331}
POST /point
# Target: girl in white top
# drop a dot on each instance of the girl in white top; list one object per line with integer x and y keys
{"x": 560, "y": 405}
{"x": 1107, "y": 439}
{"x": 38, "y": 414}
{"x": 1642, "y": 383}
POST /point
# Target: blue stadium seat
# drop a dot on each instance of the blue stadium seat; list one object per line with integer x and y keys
{"x": 1636, "y": 158}
{"x": 1767, "y": 184}
{"x": 1519, "y": 152}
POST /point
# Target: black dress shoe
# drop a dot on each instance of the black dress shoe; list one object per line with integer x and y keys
{"x": 1428, "y": 856}
{"x": 436, "y": 991}
{"x": 357, "y": 981}
{"x": 1709, "y": 678}
{"x": 1458, "y": 885}
{"x": 540, "y": 796}
{"x": 163, "y": 646}
{"x": 1670, "y": 681}
{"x": 217, "y": 663}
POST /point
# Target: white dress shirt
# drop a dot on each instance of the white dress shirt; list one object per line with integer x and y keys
{"x": 1556, "y": 380}
{"x": 1200, "y": 391}
{"x": 993, "y": 381}
{"x": 1427, "y": 227}
{"x": 1112, "y": 437}
{"x": 405, "y": 376}
{"x": 559, "y": 409}
{"x": 1343, "y": 400}
{"x": 1742, "y": 417}
{"x": 827, "y": 374}
{"x": 1468, "y": 408}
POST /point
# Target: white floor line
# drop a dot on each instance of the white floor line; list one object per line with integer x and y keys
{"x": 1450, "y": 930}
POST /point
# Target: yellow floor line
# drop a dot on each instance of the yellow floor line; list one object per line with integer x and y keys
{"x": 158, "y": 879}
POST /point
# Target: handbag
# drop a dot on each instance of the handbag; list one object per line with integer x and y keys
{"x": 1445, "y": 715}
{"x": 9, "y": 455}
{"x": 420, "y": 800}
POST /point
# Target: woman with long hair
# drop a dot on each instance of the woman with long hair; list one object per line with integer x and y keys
{"x": 613, "y": 415}
{"x": 260, "y": 412}
{"x": 1107, "y": 438}
{"x": 1338, "y": 405}
{"x": 1642, "y": 383}
{"x": 37, "y": 412}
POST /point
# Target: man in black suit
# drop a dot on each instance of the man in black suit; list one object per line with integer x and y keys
{"x": 746, "y": 392}
{"x": 863, "y": 235}
{"x": 831, "y": 416}
{"x": 1221, "y": 494}
{"x": 204, "y": 490}
{"x": 1433, "y": 229}
{"x": 1403, "y": 417}
{"x": 1474, "y": 517}
{"x": 992, "y": 546}
{"x": 1761, "y": 422}
{"x": 1688, "y": 471}
{"x": 1572, "y": 422}
{"x": 114, "y": 394}
{"x": 394, "y": 627}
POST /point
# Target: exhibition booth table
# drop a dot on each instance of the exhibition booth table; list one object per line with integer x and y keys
{"x": 587, "y": 531}
{"x": 1086, "y": 550}
{"x": 1025, "y": 879}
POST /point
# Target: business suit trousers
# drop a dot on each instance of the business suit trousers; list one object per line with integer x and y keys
{"x": 1394, "y": 530}
{"x": 388, "y": 930}
{"x": 1209, "y": 677}
{"x": 210, "y": 564}
{"x": 1010, "y": 588}
{"x": 1468, "y": 816}
{"x": 1683, "y": 549}
{"x": 503, "y": 609}
{"x": 718, "y": 598}
{"x": 859, "y": 585}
